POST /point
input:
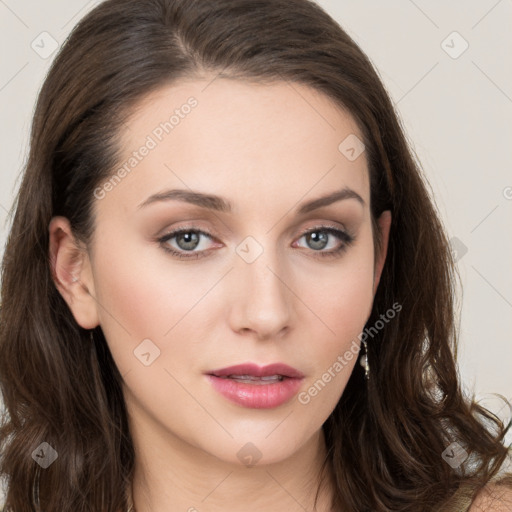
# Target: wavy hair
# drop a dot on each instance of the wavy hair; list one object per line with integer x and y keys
{"x": 385, "y": 437}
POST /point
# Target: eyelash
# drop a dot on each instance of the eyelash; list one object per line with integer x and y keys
{"x": 341, "y": 235}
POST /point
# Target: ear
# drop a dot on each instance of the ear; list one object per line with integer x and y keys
{"x": 71, "y": 272}
{"x": 384, "y": 222}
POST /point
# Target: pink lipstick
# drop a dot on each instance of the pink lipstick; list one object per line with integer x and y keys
{"x": 250, "y": 385}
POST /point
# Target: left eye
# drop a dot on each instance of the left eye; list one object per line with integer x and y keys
{"x": 187, "y": 240}
{"x": 319, "y": 237}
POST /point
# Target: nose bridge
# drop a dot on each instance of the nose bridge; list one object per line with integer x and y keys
{"x": 263, "y": 296}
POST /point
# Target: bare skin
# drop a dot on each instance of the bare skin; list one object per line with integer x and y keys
{"x": 267, "y": 149}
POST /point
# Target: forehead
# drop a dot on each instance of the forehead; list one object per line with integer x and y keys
{"x": 242, "y": 139}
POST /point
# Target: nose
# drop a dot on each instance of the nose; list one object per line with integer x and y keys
{"x": 262, "y": 298}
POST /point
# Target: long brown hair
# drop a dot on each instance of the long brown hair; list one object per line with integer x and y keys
{"x": 386, "y": 437}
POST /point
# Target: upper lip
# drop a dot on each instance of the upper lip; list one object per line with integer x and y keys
{"x": 258, "y": 371}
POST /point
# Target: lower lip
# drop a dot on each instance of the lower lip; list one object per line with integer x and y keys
{"x": 256, "y": 396}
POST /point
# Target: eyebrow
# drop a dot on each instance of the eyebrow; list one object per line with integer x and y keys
{"x": 220, "y": 204}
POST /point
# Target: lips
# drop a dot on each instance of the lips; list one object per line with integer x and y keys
{"x": 254, "y": 372}
{"x": 257, "y": 387}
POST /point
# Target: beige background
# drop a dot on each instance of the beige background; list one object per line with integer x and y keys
{"x": 456, "y": 109}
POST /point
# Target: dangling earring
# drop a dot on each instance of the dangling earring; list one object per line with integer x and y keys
{"x": 363, "y": 361}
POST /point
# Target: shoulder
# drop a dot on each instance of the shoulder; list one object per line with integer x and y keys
{"x": 493, "y": 498}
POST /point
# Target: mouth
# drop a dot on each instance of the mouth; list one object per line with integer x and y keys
{"x": 250, "y": 385}
{"x": 250, "y": 372}
{"x": 250, "y": 379}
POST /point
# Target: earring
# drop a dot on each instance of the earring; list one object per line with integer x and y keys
{"x": 363, "y": 361}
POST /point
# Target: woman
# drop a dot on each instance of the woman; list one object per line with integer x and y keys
{"x": 219, "y": 211}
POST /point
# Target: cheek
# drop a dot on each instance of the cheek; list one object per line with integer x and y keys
{"x": 353, "y": 301}
{"x": 343, "y": 297}
{"x": 337, "y": 352}
{"x": 343, "y": 308}
{"x": 141, "y": 297}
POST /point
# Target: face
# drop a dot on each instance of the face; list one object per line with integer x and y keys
{"x": 266, "y": 280}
